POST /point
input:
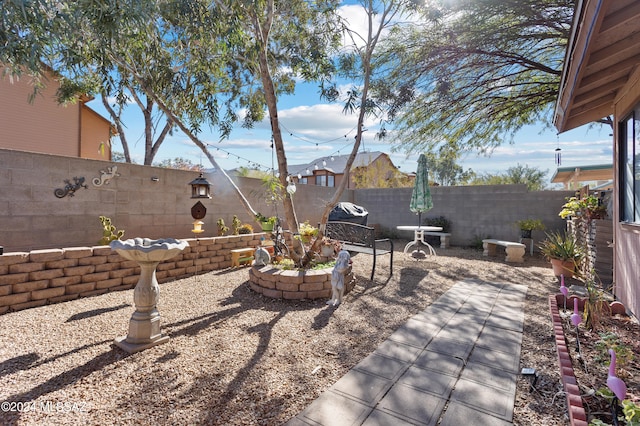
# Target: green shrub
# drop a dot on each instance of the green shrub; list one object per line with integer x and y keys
{"x": 476, "y": 241}
{"x": 609, "y": 340}
{"x": 440, "y": 221}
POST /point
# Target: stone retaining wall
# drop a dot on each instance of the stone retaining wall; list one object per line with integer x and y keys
{"x": 38, "y": 277}
{"x": 293, "y": 284}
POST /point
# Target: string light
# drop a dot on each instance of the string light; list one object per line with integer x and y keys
{"x": 315, "y": 142}
{"x": 251, "y": 163}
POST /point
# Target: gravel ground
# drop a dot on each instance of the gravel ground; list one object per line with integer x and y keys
{"x": 237, "y": 358}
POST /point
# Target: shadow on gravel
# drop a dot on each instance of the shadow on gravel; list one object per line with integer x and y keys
{"x": 96, "y": 312}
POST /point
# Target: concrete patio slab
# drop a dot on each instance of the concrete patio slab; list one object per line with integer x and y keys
{"x": 456, "y": 362}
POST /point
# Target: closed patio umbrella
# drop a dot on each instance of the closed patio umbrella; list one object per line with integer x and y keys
{"x": 421, "y": 196}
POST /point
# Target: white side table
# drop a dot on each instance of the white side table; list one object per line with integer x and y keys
{"x": 418, "y": 235}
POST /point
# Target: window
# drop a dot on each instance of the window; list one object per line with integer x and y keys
{"x": 325, "y": 180}
{"x": 629, "y": 141}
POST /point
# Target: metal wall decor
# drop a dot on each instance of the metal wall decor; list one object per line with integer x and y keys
{"x": 106, "y": 176}
{"x": 70, "y": 188}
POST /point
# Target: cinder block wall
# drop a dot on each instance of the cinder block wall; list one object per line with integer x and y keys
{"x": 30, "y": 279}
{"x": 482, "y": 211}
{"x": 143, "y": 201}
{"x": 154, "y": 202}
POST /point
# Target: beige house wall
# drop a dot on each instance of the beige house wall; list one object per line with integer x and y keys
{"x": 38, "y": 126}
{"x": 95, "y": 134}
{"x": 626, "y": 253}
{"x": 381, "y": 163}
{"x": 45, "y": 126}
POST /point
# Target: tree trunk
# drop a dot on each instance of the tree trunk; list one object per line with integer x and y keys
{"x": 262, "y": 33}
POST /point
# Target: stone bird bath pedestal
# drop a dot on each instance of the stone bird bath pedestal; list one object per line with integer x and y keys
{"x": 144, "y": 325}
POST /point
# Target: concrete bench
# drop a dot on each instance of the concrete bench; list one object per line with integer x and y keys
{"x": 241, "y": 256}
{"x": 514, "y": 251}
{"x": 444, "y": 237}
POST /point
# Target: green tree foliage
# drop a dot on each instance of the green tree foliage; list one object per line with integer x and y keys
{"x": 180, "y": 164}
{"x": 444, "y": 169}
{"x": 199, "y": 62}
{"x": 475, "y": 73}
{"x": 380, "y": 174}
{"x": 530, "y": 176}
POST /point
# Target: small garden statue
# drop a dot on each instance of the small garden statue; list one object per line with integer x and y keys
{"x": 337, "y": 278}
{"x": 261, "y": 257}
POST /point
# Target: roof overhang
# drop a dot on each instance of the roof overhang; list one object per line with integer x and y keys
{"x": 598, "y": 172}
{"x": 602, "y": 53}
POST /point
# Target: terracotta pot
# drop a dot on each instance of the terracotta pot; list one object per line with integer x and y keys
{"x": 566, "y": 267}
{"x": 326, "y": 251}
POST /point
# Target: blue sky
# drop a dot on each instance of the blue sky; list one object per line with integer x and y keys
{"x": 312, "y": 129}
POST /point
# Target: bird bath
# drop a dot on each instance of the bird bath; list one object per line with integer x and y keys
{"x": 144, "y": 325}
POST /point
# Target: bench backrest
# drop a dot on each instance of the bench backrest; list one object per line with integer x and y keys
{"x": 351, "y": 233}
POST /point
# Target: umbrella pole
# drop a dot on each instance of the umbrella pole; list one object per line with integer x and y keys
{"x": 419, "y": 218}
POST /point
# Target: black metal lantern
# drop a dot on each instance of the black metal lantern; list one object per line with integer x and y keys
{"x": 200, "y": 188}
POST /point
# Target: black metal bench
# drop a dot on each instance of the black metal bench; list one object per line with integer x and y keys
{"x": 360, "y": 239}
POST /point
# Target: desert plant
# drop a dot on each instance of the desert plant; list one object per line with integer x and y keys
{"x": 286, "y": 264}
{"x": 109, "y": 232}
{"x": 595, "y": 304}
{"x": 235, "y": 224}
{"x": 245, "y": 228}
{"x": 222, "y": 228}
{"x": 562, "y": 246}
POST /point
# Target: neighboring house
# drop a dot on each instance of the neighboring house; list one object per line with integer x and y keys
{"x": 45, "y": 126}
{"x": 329, "y": 171}
{"x": 601, "y": 78}
{"x": 574, "y": 177}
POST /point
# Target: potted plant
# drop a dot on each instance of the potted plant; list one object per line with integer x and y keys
{"x": 589, "y": 207}
{"x": 528, "y": 225}
{"x": 329, "y": 247}
{"x": 563, "y": 252}
{"x": 267, "y": 223}
{"x": 307, "y": 232}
